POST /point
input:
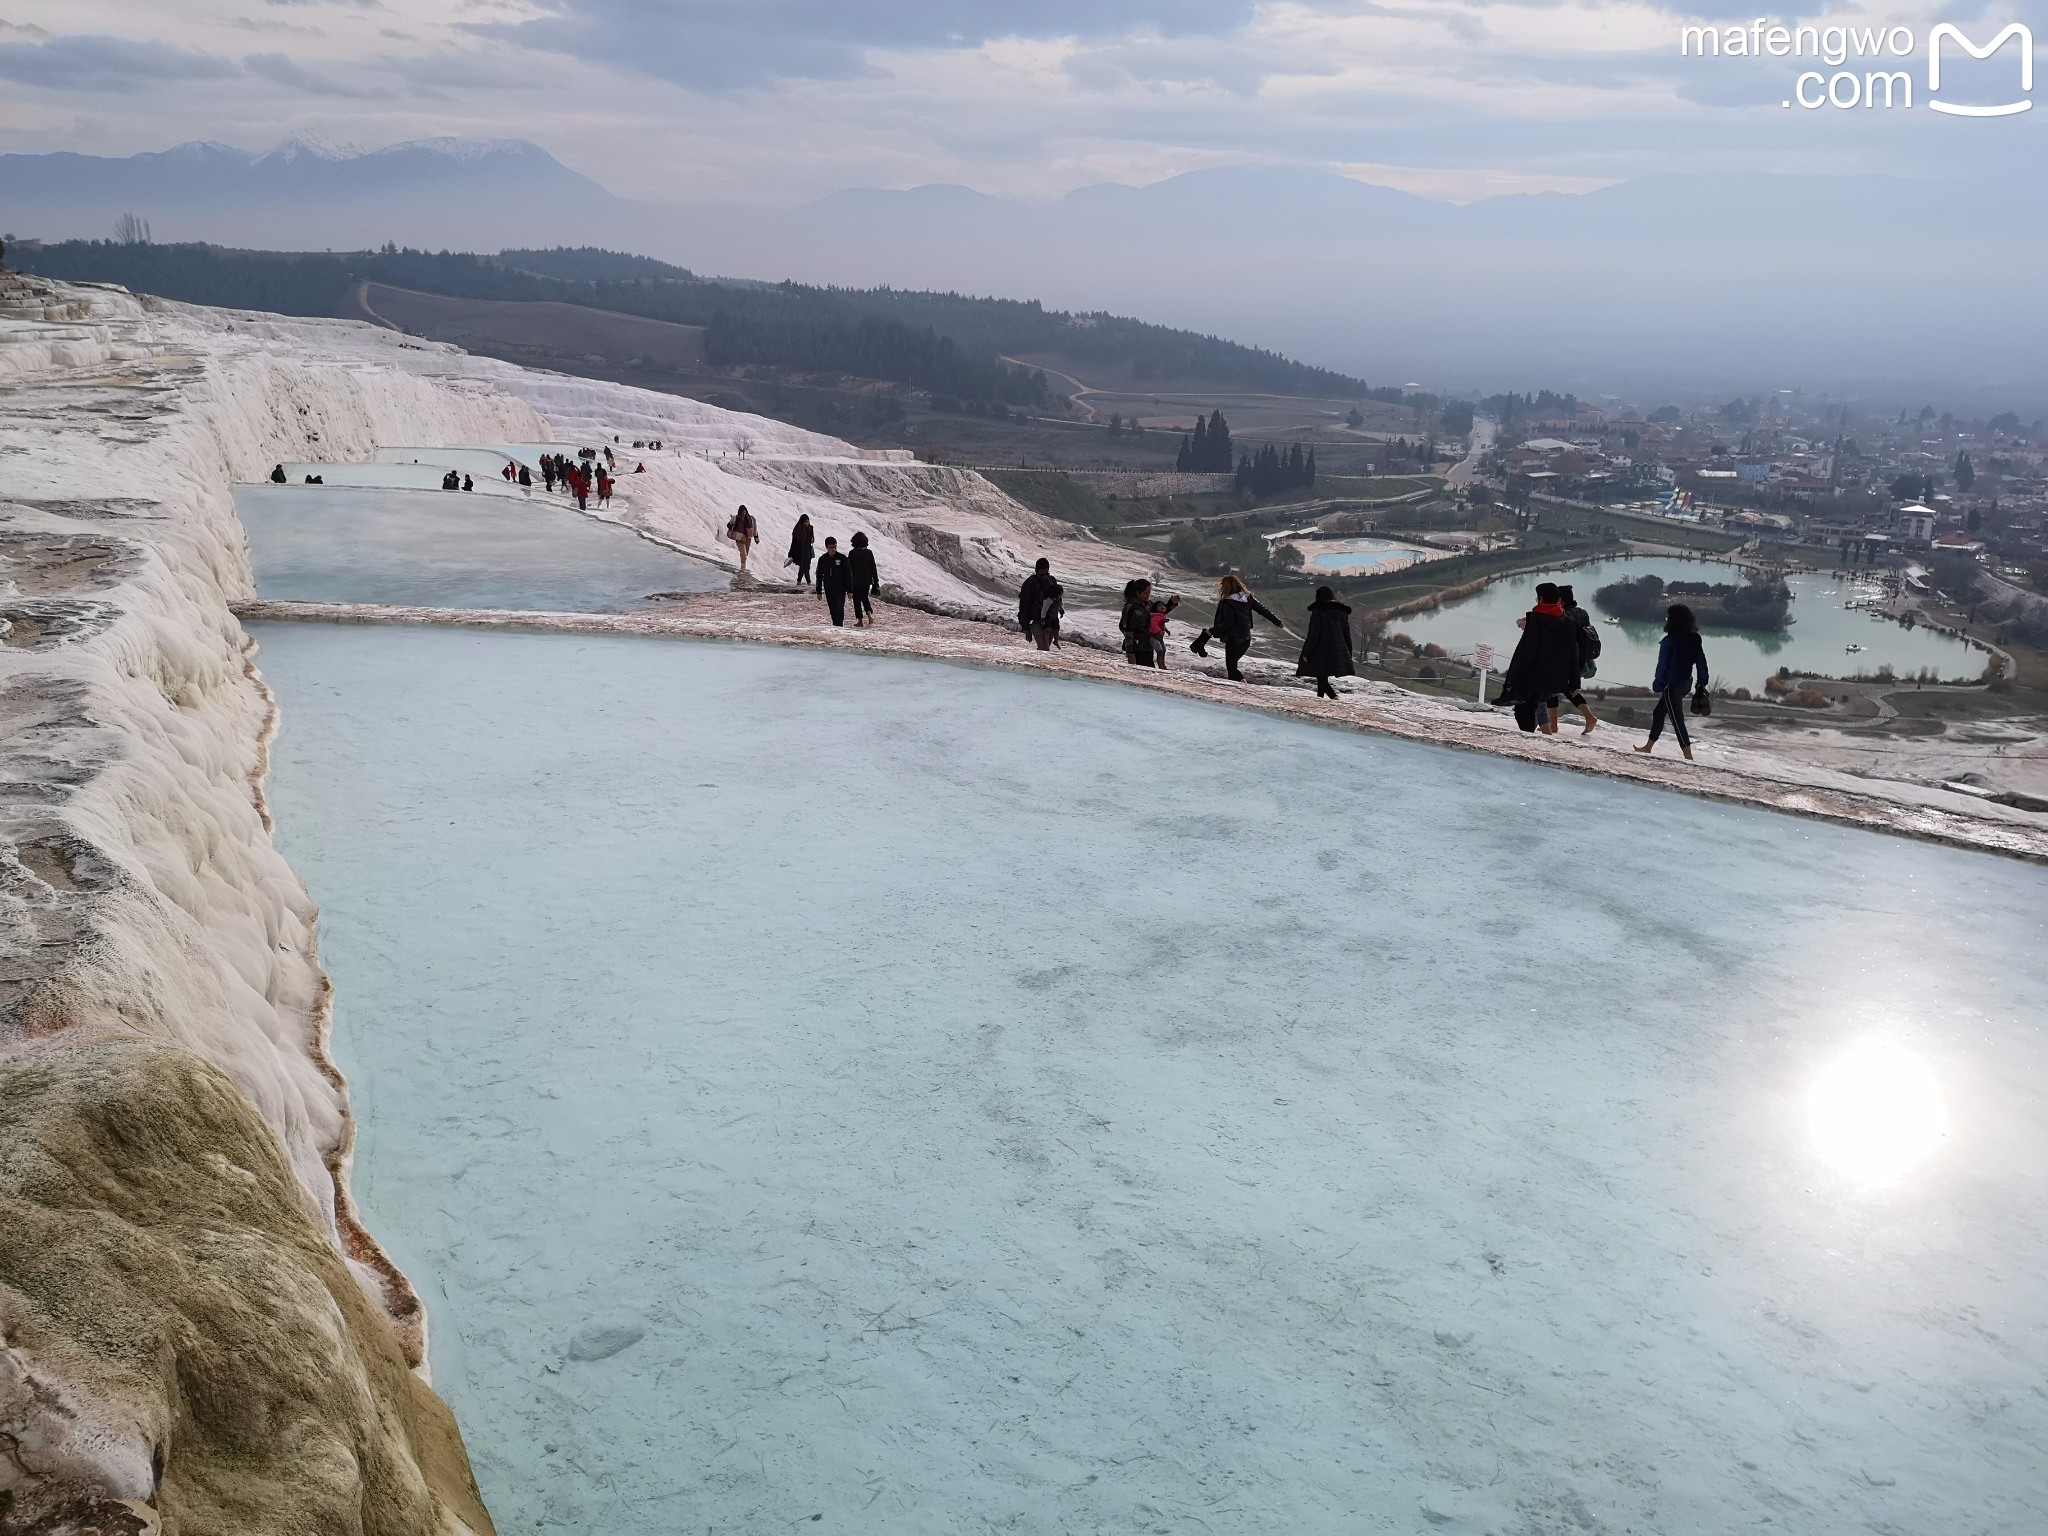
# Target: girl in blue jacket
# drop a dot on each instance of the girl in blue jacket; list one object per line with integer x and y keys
{"x": 1680, "y": 658}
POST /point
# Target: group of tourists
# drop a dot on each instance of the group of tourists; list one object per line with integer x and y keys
{"x": 1560, "y": 649}
{"x": 517, "y": 474}
{"x": 1146, "y": 617}
{"x": 840, "y": 575}
{"x": 1144, "y": 624}
{"x": 582, "y": 477}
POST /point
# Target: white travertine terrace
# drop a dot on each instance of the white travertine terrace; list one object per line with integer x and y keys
{"x": 145, "y": 907}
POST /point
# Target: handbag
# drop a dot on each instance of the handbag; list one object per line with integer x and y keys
{"x": 1702, "y": 702}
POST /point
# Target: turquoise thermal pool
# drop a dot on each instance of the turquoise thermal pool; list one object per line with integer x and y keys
{"x": 816, "y": 1091}
{"x": 453, "y": 549}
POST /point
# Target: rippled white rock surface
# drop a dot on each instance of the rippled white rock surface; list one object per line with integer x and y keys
{"x": 808, "y": 1084}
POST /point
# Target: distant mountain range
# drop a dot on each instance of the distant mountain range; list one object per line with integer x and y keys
{"x": 1664, "y": 283}
{"x": 205, "y": 191}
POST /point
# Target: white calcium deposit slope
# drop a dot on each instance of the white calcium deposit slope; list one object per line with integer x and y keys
{"x": 126, "y": 422}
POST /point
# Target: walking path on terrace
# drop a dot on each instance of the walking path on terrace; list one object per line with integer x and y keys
{"x": 1719, "y": 773}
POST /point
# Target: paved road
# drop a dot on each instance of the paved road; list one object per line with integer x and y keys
{"x": 1484, "y": 430}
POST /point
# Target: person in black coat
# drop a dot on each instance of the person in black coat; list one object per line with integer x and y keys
{"x": 867, "y": 582}
{"x": 834, "y": 581}
{"x": 1235, "y": 606}
{"x": 1041, "y": 603}
{"x": 1545, "y": 663}
{"x": 803, "y": 543}
{"x": 1327, "y": 651}
{"x": 1135, "y": 622}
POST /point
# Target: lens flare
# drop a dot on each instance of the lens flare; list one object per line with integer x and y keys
{"x": 1877, "y": 1113}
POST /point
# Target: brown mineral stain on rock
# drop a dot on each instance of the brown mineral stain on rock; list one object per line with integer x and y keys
{"x": 181, "y": 1347}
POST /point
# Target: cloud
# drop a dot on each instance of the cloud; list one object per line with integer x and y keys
{"x": 279, "y": 70}
{"x": 91, "y": 62}
{"x": 729, "y": 44}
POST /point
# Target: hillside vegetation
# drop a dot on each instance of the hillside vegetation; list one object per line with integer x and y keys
{"x": 950, "y": 344}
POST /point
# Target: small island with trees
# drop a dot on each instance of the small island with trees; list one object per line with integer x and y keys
{"x": 1765, "y": 605}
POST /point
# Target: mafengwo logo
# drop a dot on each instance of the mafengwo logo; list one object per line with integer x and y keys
{"x": 1863, "y": 87}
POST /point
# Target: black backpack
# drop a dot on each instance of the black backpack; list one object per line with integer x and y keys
{"x": 1589, "y": 647}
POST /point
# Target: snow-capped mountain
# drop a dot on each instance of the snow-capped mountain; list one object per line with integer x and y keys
{"x": 465, "y": 193}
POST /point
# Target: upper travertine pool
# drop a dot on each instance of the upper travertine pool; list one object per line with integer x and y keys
{"x": 819, "y": 1091}
{"x": 453, "y": 549}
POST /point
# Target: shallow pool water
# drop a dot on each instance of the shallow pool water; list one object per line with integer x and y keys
{"x": 453, "y": 549}
{"x": 807, "y": 1085}
{"x": 1823, "y": 629}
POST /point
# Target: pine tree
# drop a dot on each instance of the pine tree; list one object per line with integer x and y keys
{"x": 1297, "y": 470}
{"x": 1966, "y": 472}
{"x": 1311, "y": 476}
{"x": 1199, "y": 459}
{"x": 1220, "y": 456}
{"x": 1244, "y": 474}
{"x": 1185, "y": 459}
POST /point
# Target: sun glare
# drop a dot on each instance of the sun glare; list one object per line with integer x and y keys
{"x": 1877, "y": 1113}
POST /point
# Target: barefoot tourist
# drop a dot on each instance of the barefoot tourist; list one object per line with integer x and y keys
{"x": 1546, "y": 660}
{"x": 1589, "y": 656}
{"x": 1680, "y": 656}
{"x": 743, "y": 531}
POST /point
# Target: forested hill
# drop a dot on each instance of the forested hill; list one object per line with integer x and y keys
{"x": 945, "y": 342}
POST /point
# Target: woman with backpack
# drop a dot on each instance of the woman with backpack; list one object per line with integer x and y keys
{"x": 1326, "y": 653}
{"x": 743, "y": 531}
{"x": 1589, "y": 657}
{"x": 803, "y": 543}
{"x": 1680, "y": 657}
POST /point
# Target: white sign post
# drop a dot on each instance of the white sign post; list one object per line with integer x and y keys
{"x": 1483, "y": 655}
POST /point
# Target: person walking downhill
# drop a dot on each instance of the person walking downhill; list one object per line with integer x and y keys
{"x": 604, "y": 489}
{"x": 1589, "y": 656}
{"x": 1041, "y": 604}
{"x": 867, "y": 582}
{"x": 743, "y": 530}
{"x": 526, "y": 479}
{"x": 1545, "y": 661}
{"x": 803, "y": 544}
{"x": 1680, "y": 656}
{"x": 1326, "y": 653}
{"x": 1232, "y": 624}
{"x": 834, "y": 581}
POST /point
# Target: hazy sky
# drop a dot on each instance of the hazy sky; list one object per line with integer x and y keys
{"x": 779, "y": 100}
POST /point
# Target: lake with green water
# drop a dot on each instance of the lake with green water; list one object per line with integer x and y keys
{"x": 1822, "y": 630}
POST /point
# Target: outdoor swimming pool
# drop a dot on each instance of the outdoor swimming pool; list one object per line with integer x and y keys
{"x": 794, "y": 1100}
{"x": 1363, "y": 555}
{"x": 1818, "y": 640}
{"x": 453, "y": 549}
